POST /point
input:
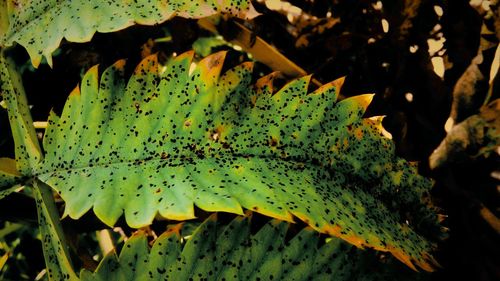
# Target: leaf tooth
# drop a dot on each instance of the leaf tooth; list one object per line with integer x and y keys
{"x": 401, "y": 256}
{"x": 336, "y": 231}
{"x": 229, "y": 205}
{"x": 237, "y": 77}
{"x": 243, "y": 73}
{"x": 77, "y": 205}
{"x": 75, "y": 92}
{"x": 148, "y": 65}
{"x": 51, "y": 131}
{"x": 332, "y": 88}
{"x": 136, "y": 245}
{"x": 90, "y": 81}
{"x": 109, "y": 262}
{"x": 376, "y": 123}
{"x": 265, "y": 84}
{"x": 186, "y": 55}
{"x": 119, "y": 65}
{"x": 108, "y": 213}
{"x": 36, "y": 58}
{"x": 282, "y": 107}
{"x": 178, "y": 216}
{"x": 332, "y": 230}
{"x": 210, "y": 68}
{"x": 112, "y": 76}
{"x": 431, "y": 261}
{"x": 286, "y": 216}
{"x": 248, "y": 66}
{"x": 425, "y": 265}
{"x": 363, "y": 100}
{"x": 173, "y": 230}
{"x": 339, "y": 83}
{"x": 296, "y": 87}
{"x": 353, "y": 108}
{"x": 48, "y": 57}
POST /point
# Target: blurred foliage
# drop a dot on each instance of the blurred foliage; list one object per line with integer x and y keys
{"x": 203, "y": 46}
{"x": 21, "y": 246}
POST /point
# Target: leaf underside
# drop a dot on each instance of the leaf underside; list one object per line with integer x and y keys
{"x": 171, "y": 138}
{"x": 230, "y": 251}
{"x": 40, "y": 25}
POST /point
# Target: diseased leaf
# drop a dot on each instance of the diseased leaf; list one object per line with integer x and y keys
{"x": 56, "y": 255}
{"x": 27, "y": 149}
{"x": 40, "y": 25}
{"x": 172, "y": 138}
{"x": 217, "y": 251}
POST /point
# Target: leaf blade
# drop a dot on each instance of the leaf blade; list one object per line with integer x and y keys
{"x": 39, "y": 26}
{"x": 172, "y": 139}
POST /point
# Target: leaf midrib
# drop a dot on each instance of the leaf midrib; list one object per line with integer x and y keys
{"x": 186, "y": 160}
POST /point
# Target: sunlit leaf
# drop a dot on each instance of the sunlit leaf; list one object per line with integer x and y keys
{"x": 170, "y": 139}
{"x": 40, "y": 25}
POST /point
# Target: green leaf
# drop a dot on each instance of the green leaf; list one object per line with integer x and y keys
{"x": 172, "y": 138}
{"x": 56, "y": 255}
{"x": 27, "y": 149}
{"x": 218, "y": 251}
{"x": 39, "y": 26}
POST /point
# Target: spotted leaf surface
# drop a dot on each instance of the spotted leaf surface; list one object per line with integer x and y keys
{"x": 56, "y": 255}
{"x": 27, "y": 149}
{"x": 40, "y": 25}
{"x": 218, "y": 251}
{"x": 184, "y": 135}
